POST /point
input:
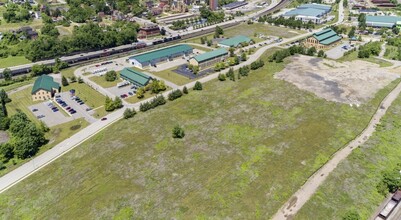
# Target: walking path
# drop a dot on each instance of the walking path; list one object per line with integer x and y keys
{"x": 19, "y": 89}
{"x": 297, "y": 200}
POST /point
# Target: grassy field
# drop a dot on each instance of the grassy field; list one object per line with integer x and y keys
{"x": 249, "y": 146}
{"x": 354, "y": 56}
{"x": 13, "y": 61}
{"x": 56, "y": 134}
{"x": 22, "y": 100}
{"x": 391, "y": 52}
{"x": 18, "y": 85}
{"x": 101, "y": 81}
{"x": 173, "y": 77}
{"x": 250, "y": 30}
{"x": 35, "y": 24}
{"x": 134, "y": 99}
{"x": 352, "y": 185}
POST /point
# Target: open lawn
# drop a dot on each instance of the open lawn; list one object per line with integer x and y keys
{"x": 91, "y": 97}
{"x": 56, "y": 134}
{"x": 18, "y": 85}
{"x": 250, "y": 30}
{"x": 173, "y": 77}
{"x": 354, "y": 55}
{"x": 101, "y": 81}
{"x": 352, "y": 185}
{"x": 13, "y": 61}
{"x": 134, "y": 99}
{"x": 248, "y": 146}
{"x": 21, "y": 100}
{"x": 35, "y": 24}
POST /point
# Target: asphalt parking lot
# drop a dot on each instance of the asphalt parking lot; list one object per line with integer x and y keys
{"x": 122, "y": 90}
{"x": 50, "y": 118}
{"x": 81, "y": 110}
{"x": 184, "y": 71}
{"x": 338, "y": 51}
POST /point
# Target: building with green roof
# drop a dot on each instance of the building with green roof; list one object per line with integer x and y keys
{"x": 209, "y": 58}
{"x": 234, "y": 41}
{"x": 135, "y": 77}
{"x": 322, "y": 39}
{"x": 160, "y": 55}
{"x": 382, "y": 21}
{"x": 44, "y": 88}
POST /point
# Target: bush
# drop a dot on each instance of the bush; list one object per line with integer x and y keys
{"x": 178, "y": 132}
{"x": 174, "y": 95}
{"x": 185, "y": 90}
{"x": 156, "y": 101}
{"x": 111, "y": 76}
{"x": 198, "y": 86}
{"x": 351, "y": 215}
{"x": 257, "y": 64}
{"x": 222, "y": 77}
{"x": 64, "y": 81}
{"x": 117, "y": 103}
{"x": 129, "y": 113}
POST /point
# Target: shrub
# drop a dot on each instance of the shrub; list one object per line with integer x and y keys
{"x": 185, "y": 90}
{"x": 178, "y": 132}
{"x": 198, "y": 86}
{"x": 222, "y": 77}
{"x": 129, "y": 113}
{"x": 111, "y": 76}
{"x": 174, "y": 95}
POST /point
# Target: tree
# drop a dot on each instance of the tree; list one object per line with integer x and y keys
{"x": 218, "y": 31}
{"x": 230, "y": 74}
{"x": 162, "y": 31}
{"x": 174, "y": 95}
{"x": 7, "y": 74}
{"x": 351, "y": 33}
{"x": 345, "y": 3}
{"x": 243, "y": 57}
{"x": 80, "y": 80}
{"x": 140, "y": 93}
{"x": 320, "y": 53}
{"x": 73, "y": 79}
{"x": 178, "y": 132}
{"x": 222, "y": 77}
{"x": 64, "y": 81}
{"x": 311, "y": 51}
{"x": 198, "y": 86}
{"x": 4, "y": 99}
{"x": 117, "y": 103}
{"x": 185, "y": 90}
{"x": 231, "y": 49}
{"x": 6, "y": 152}
{"x": 129, "y": 113}
{"x": 109, "y": 105}
{"x": 362, "y": 21}
{"x": 111, "y": 76}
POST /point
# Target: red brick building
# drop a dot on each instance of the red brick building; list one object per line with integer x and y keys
{"x": 148, "y": 30}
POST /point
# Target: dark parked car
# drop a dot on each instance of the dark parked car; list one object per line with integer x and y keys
{"x": 34, "y": 110}
{"x": 103, "y": 119}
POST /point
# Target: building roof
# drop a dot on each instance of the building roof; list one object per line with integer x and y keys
{"x": 382, "y": 21}
{"x": 235, "y": 41}
{"x": 233, "y": 5}
{"x": 135, "y": 77}
{"x": 211, "y": 55}
{"x": 164, "y": 52}
{"x": 316, "y": 6}
{"x": 326, "y": 36}
{"x": 46, "y": 83}
{"x": 312, "y": 12}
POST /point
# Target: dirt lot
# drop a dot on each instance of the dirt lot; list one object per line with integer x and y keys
{"x": 3, "y": 137}
{"x": 350, "y": 82}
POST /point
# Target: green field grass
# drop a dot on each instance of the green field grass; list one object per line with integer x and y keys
{"x": 249, "y": 146}
{"x": 250, "y": 30}
{"x": 173, "y": 77}
{"x": 101, "y": 81}
{"x": 13, "y": 61}
{"x": 21, "y": 100}
{"x": 35, "y": 24}
{"x": 91, "y": 97}
{"x": 56, "y": 135}
{"x": 18, "y": 85}
{"x": 352, "y": 185}
{"x": 391, "y": 52}
{"x": 134, "y": 99}
{"x": 354, "y": 56}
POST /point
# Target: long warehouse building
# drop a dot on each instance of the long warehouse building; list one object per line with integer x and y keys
{"x": 209, "y": 58}
{"x": 161, "y": 55}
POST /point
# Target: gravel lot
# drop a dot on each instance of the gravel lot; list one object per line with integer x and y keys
{"x": 350, "y": 82}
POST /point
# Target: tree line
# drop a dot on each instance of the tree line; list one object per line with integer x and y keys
{"x": 280, "y": 55}
{"x": 290, "y": 22}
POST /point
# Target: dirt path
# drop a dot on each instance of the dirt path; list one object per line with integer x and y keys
{"x": 297, "y": 200}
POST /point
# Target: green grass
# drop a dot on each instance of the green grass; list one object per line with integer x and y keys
{"x": 249, "y": 146}
{"x": 134, "y": 99}
{"x": 391, "y": 52}
{"x": 69, "y": 72}
{"x": 173, "y": 77}
{"x": 13, "y": 61}
{"x": 91, "y": 97}
{"x": 56, "y": 135}
{"x": 352, "y": 185}
{"x": 35, "y": 24}
{"x": 21, "y": 100}
{"x": 101, "y": 81}
{"x": 201, "y": 47}
{"x": 354, "y": 56}
{"x": 18, "y": 85}
{"x": 250, "y": 30}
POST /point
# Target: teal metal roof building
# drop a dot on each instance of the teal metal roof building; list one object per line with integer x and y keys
{"x": 326, "y": 8}
{"x": 309, "y": 12}
{"x": 164, "y": 54}
{"x": 135, "y": 77}
{"x": 211, "y": 55}
{"x": 382, "y": 21}
{"x": 327, "y": 36}
{"x": 45, "y": 83}
{"x": 234, "y": 41}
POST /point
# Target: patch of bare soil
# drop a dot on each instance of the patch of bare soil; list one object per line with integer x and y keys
{"x": 3, "y": 137}
{"x": 350, "y": 82}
